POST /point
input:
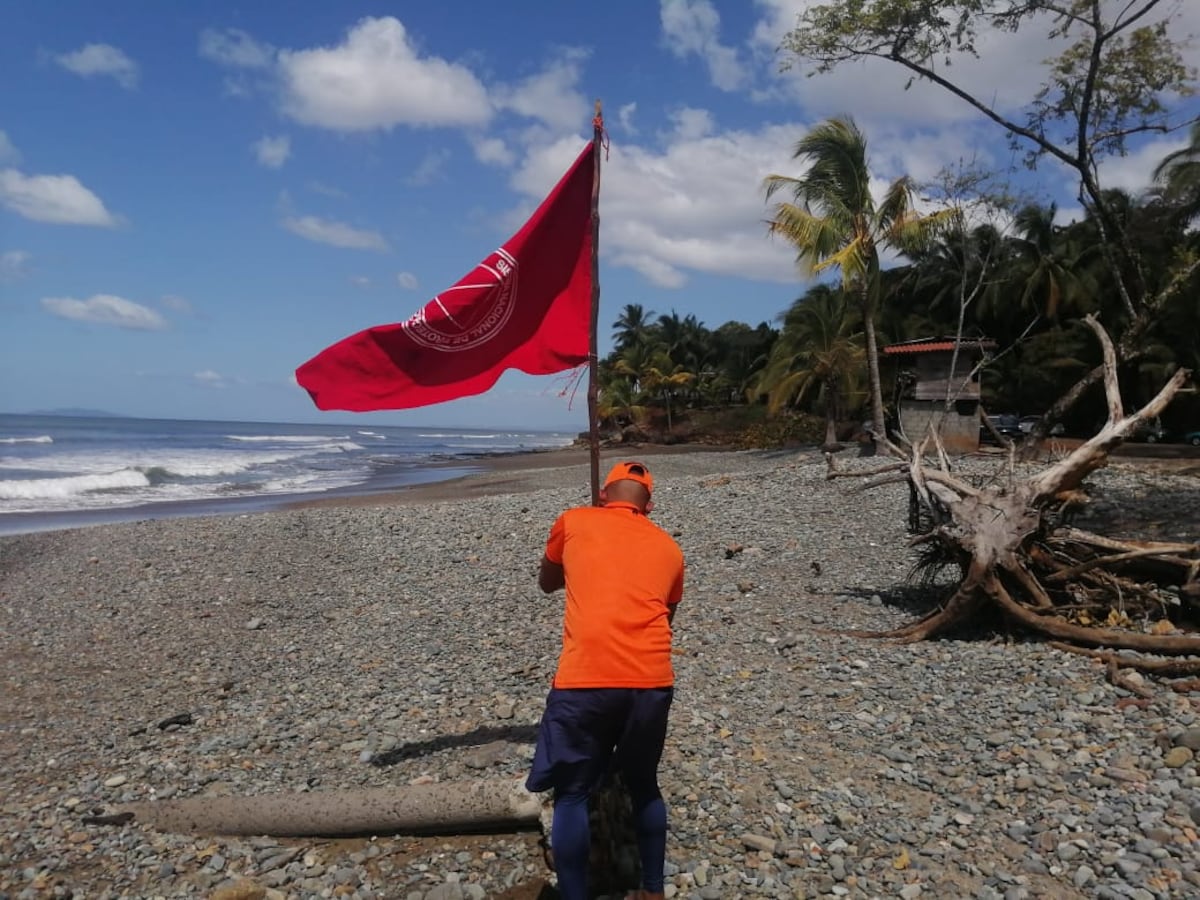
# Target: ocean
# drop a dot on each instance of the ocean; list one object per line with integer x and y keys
{"x": 63, "y": 471}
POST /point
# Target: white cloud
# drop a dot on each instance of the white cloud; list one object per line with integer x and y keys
{"x": 625, "y": 117}
{"x": 550, "y": 96}
{"x": 272, "y": 152}
{"x": 376, "y": 79}
{"x": 14, "y": 265}
{"x": 407, "y": 280}
{"x": 236, "y": 49}
{"x": 894, "y": 151}
{"x": 692, "y": 124}
{"x": 8, "y": 152}
{"x": 106, "y": 309}
{"x": 653, "y": 269}
{"x": 493, "y": 151}
{"x": 101, "y": 59}
{"x": 694, "y": 206}
{"x": 338, "y": 234}
{"x": 360, "y": 281}
{"x": 59, "y": 199}
{"x": 693, "y": 27}
{"x": 1135, "y": 172}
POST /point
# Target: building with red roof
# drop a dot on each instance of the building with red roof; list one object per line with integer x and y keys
{"x": 937, "y": 385}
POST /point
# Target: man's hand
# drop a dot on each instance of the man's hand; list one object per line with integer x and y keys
{"x": 550, "y": 576}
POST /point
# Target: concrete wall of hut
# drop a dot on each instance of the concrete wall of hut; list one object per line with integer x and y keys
{"x": 959, "y": 430}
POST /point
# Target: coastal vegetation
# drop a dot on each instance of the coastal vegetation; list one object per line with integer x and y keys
{"x": 1096, "y": 320}
{"x": 668, "y": 375}
{"x": 984, "y": 259}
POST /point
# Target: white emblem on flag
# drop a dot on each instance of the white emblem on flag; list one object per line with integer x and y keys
{"x": 473, "y": 311}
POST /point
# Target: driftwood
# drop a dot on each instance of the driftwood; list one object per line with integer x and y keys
{"x": 1018, "y": 556}
{"x": 438, "y": 808}
{"x": 443, "y": 808}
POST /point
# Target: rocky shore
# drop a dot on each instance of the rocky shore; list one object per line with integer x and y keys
{"x": 296, "y": 650}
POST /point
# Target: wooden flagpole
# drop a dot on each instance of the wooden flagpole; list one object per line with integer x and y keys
{"x": 593, "y": 390}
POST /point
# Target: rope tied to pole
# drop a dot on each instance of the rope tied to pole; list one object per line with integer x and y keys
{"x": 601, "y": 132}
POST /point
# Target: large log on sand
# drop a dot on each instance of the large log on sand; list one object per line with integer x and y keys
{"x": 454, "y": 807}
{"x": 438, "y": 808}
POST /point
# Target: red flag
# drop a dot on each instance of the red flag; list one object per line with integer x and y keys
{"x": 527, "y": 306}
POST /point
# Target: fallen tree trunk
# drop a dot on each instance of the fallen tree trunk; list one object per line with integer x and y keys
{"x": 442, "y": 808}
{"x": 1018, "y": 557}
{"x": 438, "y": 808}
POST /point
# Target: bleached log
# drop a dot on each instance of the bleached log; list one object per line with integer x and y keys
{"x": 437, "y": 808}
{"x": 1092, "y": 454}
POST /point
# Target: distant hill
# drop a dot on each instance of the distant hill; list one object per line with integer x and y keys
{"x": 72, "y": 411}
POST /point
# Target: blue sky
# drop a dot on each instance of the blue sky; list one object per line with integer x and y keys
{"x": 196, "y": 198}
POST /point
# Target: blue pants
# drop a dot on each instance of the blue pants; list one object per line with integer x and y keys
{"x": 584, "y": 732}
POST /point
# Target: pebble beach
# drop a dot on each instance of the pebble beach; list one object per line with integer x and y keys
{"x": 296, "y": 650}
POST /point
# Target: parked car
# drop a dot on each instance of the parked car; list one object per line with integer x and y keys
{"x": 1193, "y": 438}
{"x": 1027, "y": 424}
{"x": 1006, "y": 425}
{"x": 1151, "y": 432}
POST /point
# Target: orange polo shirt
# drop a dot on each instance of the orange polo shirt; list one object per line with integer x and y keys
{"x": 623, "y": 575}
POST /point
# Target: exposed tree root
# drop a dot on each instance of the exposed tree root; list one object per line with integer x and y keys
{"x": 1116, "y": 679}
{"x": 1019, "y": 555}
{"x": 1167, "y": 668}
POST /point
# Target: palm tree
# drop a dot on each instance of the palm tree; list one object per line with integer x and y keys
{"x": 834, "y": 221}
{"x": 1051, "y": 266}
{"x": 1179, "y": 175}
{"x": 633, "y": 363}
{"x": 619, "y": 403}
{"x": 650, "y": 372}
{"x": 741, "y": 353}
{"x": 667, "y": 379}
{"x": 954, "y": 272}
{"x": 631, "y": 326}
{"x": 671, "y": 334}
{"x": 818, "y": 353}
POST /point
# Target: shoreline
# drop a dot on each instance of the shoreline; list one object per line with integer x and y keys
{"x": 501, "y": 473}
{"x": 491, "y": 474}
{"x": 449, "y": 478}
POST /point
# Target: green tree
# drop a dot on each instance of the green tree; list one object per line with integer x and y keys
{"x": 833, "y": 220}
{"x": 741, "y": 353}
{"x": 1179, "y": 176}
{"x": 1114, "y": 79}
{"x": 819, "y": 354}
{"x": 620, "y": 402}
{"x": 631, "y": 326}
{"x": 1052, "y": 266}
{"x": 956, "y": 273}
{"x": 633, "y": 363}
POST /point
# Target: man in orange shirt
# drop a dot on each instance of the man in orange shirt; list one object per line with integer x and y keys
{"x": 612, "y": 691}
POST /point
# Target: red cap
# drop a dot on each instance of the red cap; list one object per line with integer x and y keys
{"x": 631, "y": 471}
